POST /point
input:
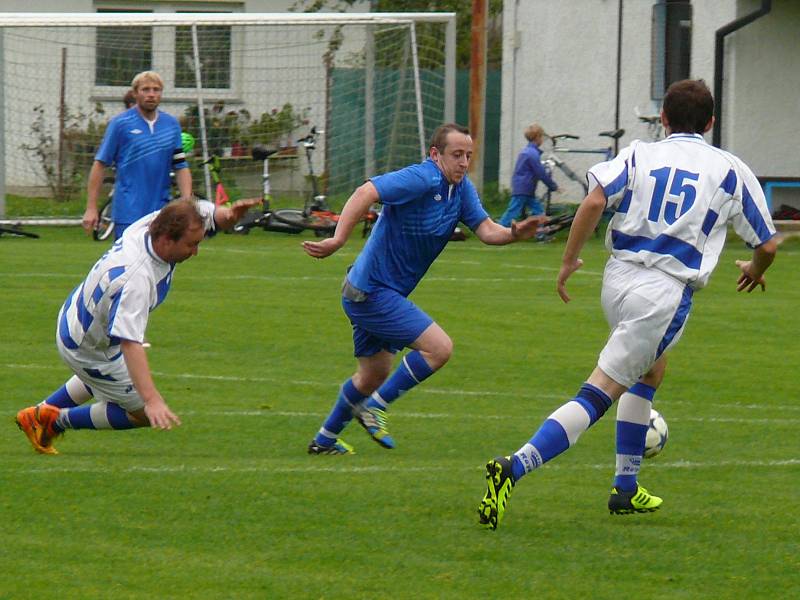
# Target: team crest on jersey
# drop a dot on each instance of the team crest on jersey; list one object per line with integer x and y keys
{"x": 438, "y": 197}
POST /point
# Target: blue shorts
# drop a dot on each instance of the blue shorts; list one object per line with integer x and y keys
{"x": 386, "y": 320}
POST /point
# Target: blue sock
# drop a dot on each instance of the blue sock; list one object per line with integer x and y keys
{"x": 99, "y": 415}
{"x": 73, "y": 393}
{"x": 561, "y": 429}
{"x": 412, "y": 370}
{"x": 633, "y": 416}
{"x": 341, "y": 415}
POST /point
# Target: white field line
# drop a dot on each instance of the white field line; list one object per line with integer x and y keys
{"x": 353, "y": 469}
{"x": 424, "y": 389}
{"x": 460, "y": 417}
{"x": 331, "y": 384}
{"x": 337, "y": 278}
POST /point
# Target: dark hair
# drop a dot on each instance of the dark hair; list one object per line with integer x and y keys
{"x": 129, "y": 99}
{"x": 689, "y": 106}
{"x": 439, "y": 137}
{"x": 175, "y": 219}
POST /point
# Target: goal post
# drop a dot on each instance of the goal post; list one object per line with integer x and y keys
{"x": 375, "y": 84}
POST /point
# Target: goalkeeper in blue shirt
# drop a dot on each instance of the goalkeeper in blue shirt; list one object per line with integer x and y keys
{"x": 144, "y": 144}
{"x": 422, "y": 204}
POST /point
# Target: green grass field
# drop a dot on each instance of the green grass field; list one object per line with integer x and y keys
{"x": 250, "y": 348}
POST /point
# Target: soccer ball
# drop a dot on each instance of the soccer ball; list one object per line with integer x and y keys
{"x": 657, "y": 434}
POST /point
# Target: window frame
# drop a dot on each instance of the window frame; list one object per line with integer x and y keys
{"x": 163, "y": 38}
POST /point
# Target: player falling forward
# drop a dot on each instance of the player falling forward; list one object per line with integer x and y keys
{"x": 101, "y": 326}
{"x": 673, "y": 201}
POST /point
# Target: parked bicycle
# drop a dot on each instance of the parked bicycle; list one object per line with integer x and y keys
{"x": 655, "y": 130}
{"x": 552, "y": 161}
{"x": 16, "y": 230}
{"x": 105, "y": 222}
{"x": 315, "y": 215}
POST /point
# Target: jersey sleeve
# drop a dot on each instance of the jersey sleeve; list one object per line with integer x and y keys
{"x": 178, "y": 154}
{"x": 206, "y": 210}
{"x": 750, "y": 218}
{"x": 107, "y": 152}
{"x": 405, "y": 185}
{"x": 130, "y": 309}
{"x": 614, "y": 175}
{"x": 472, "y": 211}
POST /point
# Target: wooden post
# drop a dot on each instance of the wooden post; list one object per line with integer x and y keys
{"x": 477, "y": 90}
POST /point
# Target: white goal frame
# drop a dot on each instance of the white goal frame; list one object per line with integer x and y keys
{"x": 19, "y": 20}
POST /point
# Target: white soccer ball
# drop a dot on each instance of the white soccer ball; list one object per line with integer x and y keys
{"x": 657, "y": 434}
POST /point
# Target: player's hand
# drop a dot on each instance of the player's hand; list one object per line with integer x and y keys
{"x": 747, "y": 281}
{"x": 567, "y": 269}
{"x": 322, "y": 248}
{"x": 227, "y": 216}
{"x": 526, "y": 229}
{"x": 159, "y": 414}
{"x": 90, "y": 219}
{"x": 240, "y": 207}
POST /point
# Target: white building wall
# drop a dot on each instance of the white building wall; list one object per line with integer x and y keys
{"x": 762, "y": 122}
{"x": 559, "y": 68}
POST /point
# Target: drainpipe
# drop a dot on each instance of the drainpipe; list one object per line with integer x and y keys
{"x": 719, "y": 60}
{"x": 619, "y": 74}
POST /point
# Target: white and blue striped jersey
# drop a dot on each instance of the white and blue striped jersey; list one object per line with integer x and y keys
{"x": 673, "y": 200}
{"x": 114, "y": 302}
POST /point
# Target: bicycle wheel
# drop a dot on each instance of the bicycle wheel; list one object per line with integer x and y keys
{"x": 288, "y": 221}
{"x": 16, "y": 230}
{"x": 105, "y": 224}
{"x": 323, "y": 224}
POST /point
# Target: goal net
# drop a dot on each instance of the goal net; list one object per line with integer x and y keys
{"x": 374, "y": 85}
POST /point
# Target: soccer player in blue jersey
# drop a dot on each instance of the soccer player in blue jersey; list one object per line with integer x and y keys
{"x": 144, "y": 145}
{"x": 100, "y": 328}
{"x": 422, "y": 204}
{"x": 673, "y": 202}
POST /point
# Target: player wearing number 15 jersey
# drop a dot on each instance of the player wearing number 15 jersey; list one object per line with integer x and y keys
{"x": 672, "y": 203}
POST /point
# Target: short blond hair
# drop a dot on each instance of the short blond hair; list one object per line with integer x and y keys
{"x": 534, "y": 131}
{"x": 146, "y": 76}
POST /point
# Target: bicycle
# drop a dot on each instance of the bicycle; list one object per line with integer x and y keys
{"x": 654, "y": 127}
{"x": 315, "y": 215}
{"x": 17, "y": 231}
{"x": 105, "y": 222}
{"x": 552, "y": 160}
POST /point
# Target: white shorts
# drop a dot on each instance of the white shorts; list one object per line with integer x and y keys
{"x": 108, "y": 380}
{"x": 646, "y": 310}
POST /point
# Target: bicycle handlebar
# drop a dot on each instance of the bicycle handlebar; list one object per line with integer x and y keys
{"x": 564, "y": 136}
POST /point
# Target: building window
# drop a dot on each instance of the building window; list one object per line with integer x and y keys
{"x": 671, "y": 41}
{"x": 214, "y": 50}
{"x": 122, "y": 52}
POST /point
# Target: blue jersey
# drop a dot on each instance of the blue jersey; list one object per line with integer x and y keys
{"x": 143, "y": 160}
{"x": 421, "y": 211}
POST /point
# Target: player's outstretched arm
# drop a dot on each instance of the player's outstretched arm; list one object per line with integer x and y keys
{"x": 494, "y": 234}
{"x": 584, "y": 224}
{"x": 353, "y": 211}
{"x": 156, "y": 410}
{"x": 227, "y": 216}
{"x": 753, "y": 270}
{"x": 91, "y": 216}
